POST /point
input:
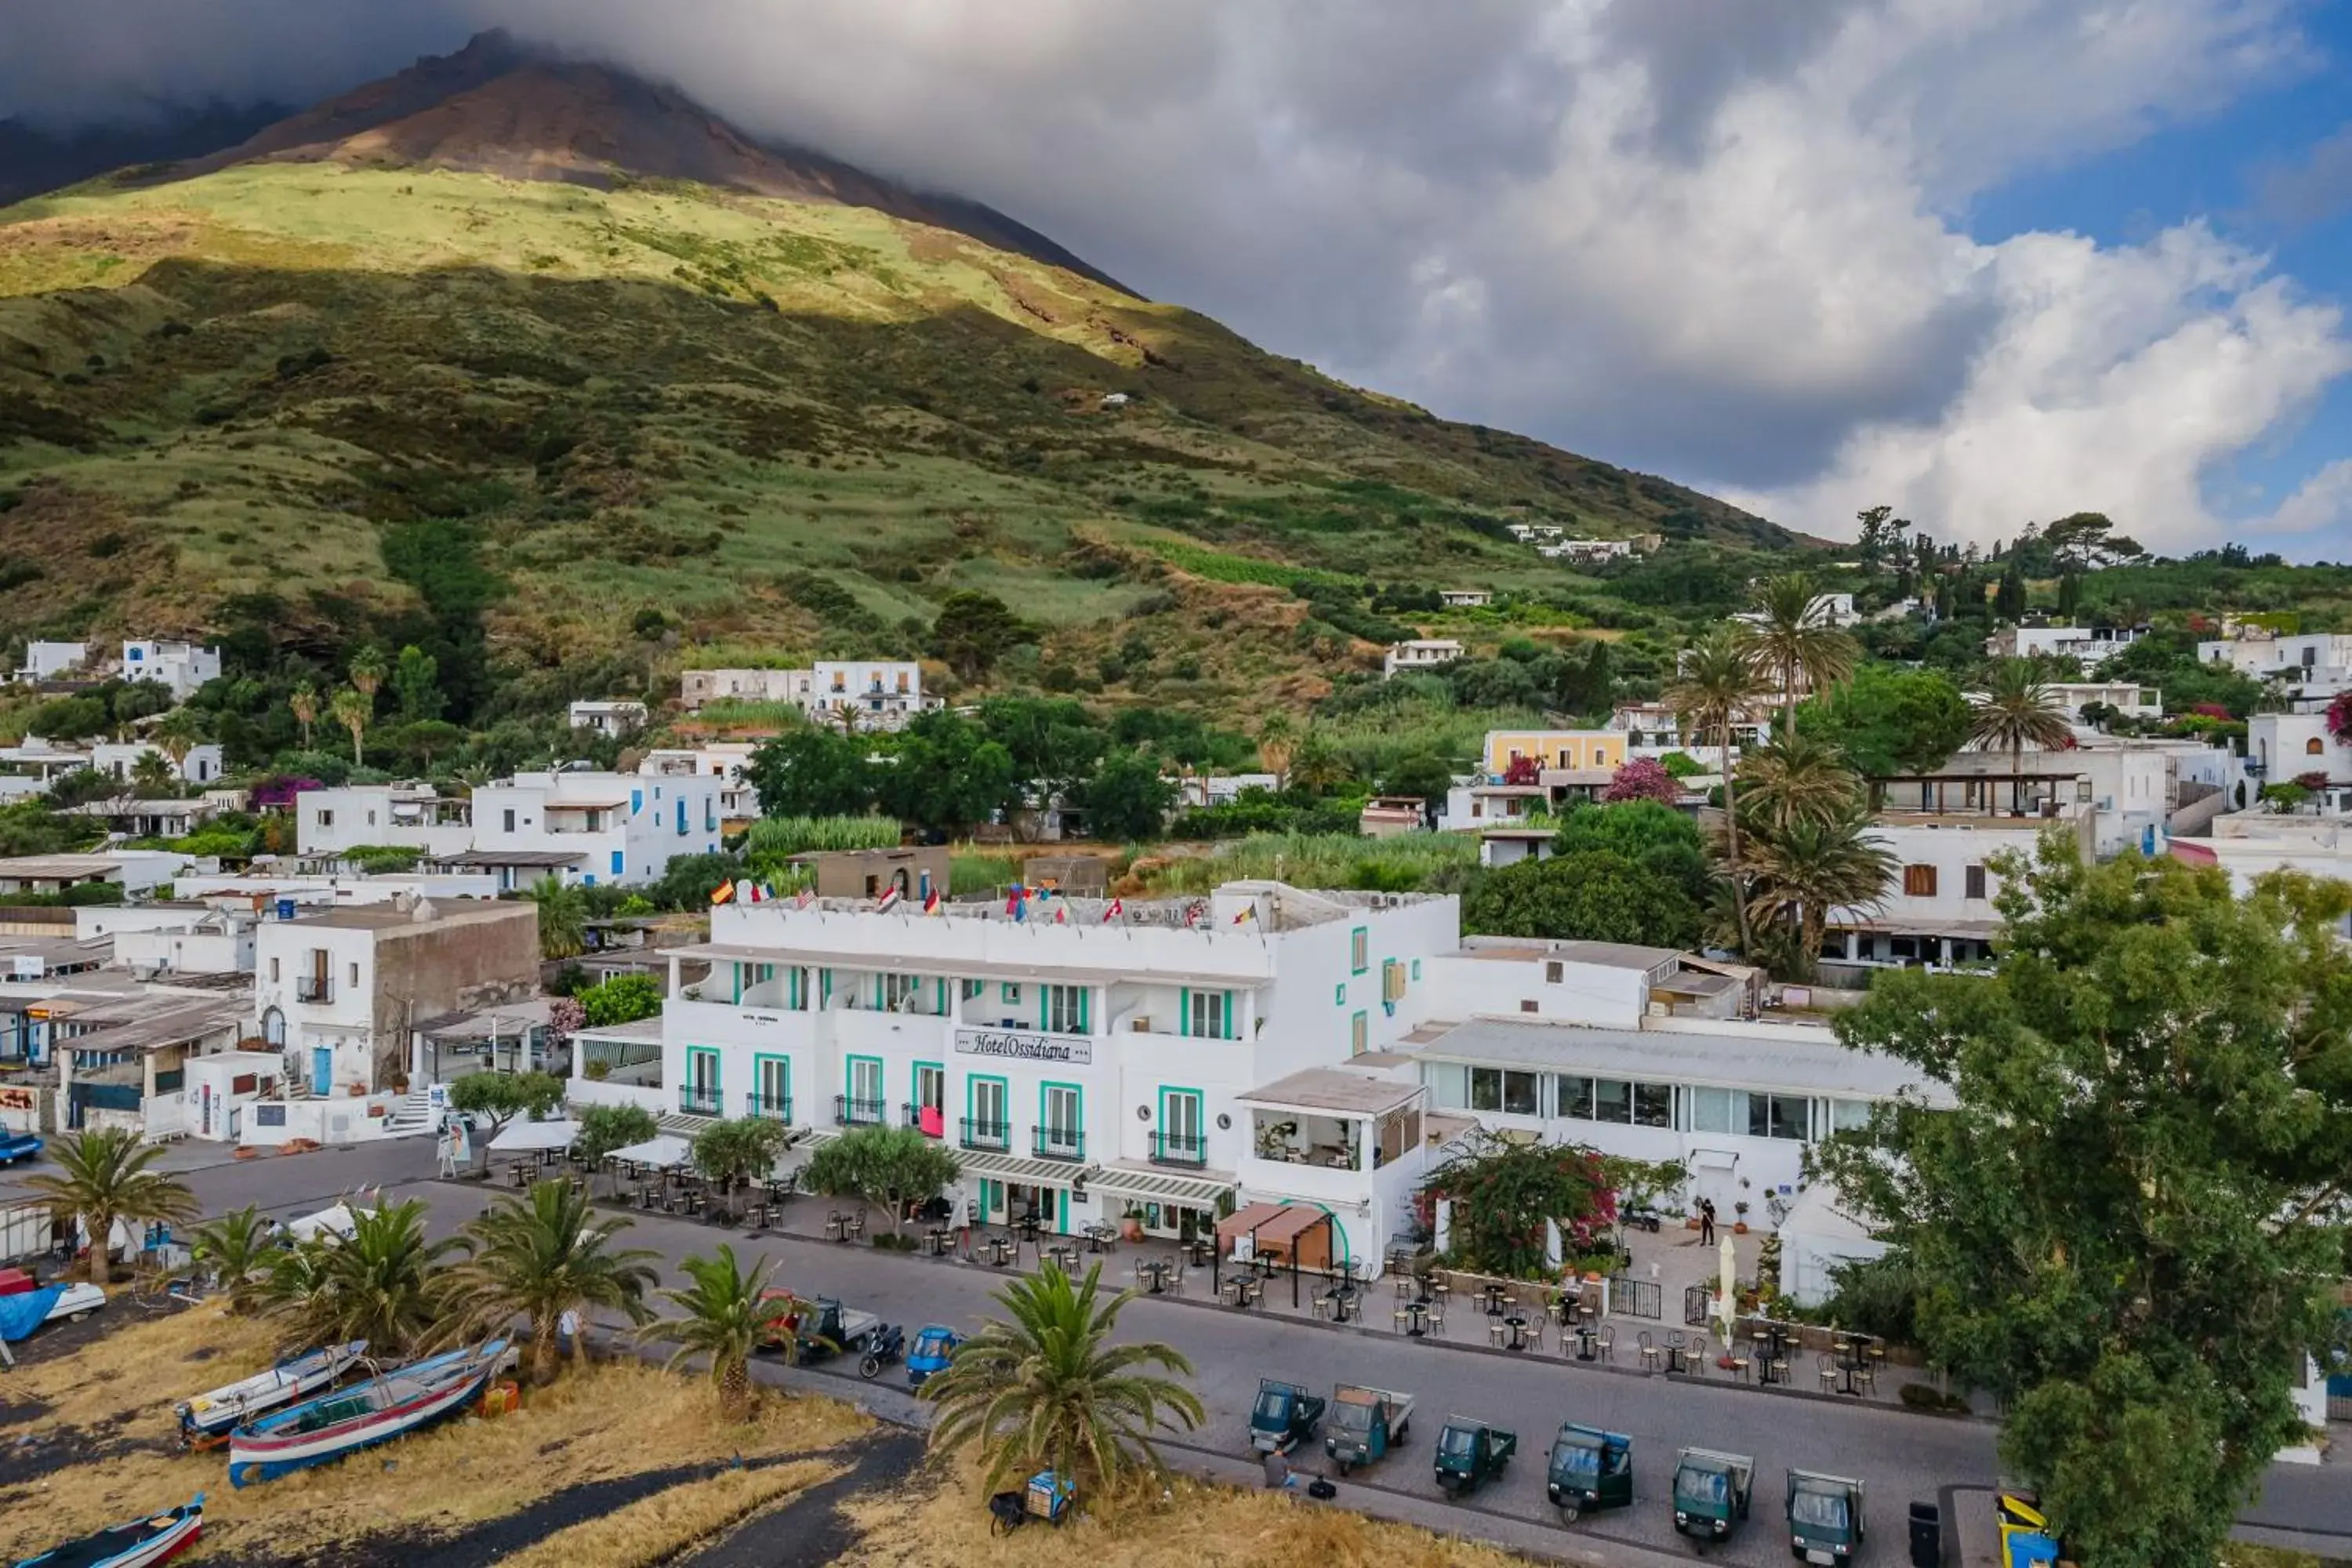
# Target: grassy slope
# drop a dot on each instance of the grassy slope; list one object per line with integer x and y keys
{"x": 662, "y": 396}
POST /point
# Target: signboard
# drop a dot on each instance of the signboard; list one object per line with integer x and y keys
{"x": 13, "y": 1098}
{"x": 30, "y": 966}
{"x": 1024, "y": 1045}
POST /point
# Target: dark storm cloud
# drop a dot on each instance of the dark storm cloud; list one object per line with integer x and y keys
{"x": 1708, "y": 237}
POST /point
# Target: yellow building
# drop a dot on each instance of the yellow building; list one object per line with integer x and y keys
{"x": 1555, "y": 749}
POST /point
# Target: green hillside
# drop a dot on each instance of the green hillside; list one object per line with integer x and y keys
{"x": 288, "y": 395}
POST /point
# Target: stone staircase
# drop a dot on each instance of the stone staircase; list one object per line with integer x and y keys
{"x": 412, "y": 1118}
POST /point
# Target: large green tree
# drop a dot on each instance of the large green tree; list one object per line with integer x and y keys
{"x": 888, "y": 1167}
{"x": 1592, "y": 895}
{"x": 1127, "y": 798}
{"x": 1506, "y": 1196}
{"x": 537, "y": 1258}
{"x": 2128, "y": 1226}
{"x": 972, "y": 630}
{"x": 947, "y": 774}
{"x": 811, "y": 771}
{"x": 101, "y": 1176}
{"x": 1891, "y": 720}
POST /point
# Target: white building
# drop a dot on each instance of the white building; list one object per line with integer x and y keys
{"x": 720, "y": 759}
{"x": 1824, "y": 610}
{"x": 2128, "y": 698}
{"x": 1421, "y": 653}
{"x": 182, "y": 666}
{"x": 48, "y": 661}
{"x": 2282, "y": 747}
{"x": 1221, "y": 789}
{"x": 1943, "y": 834}
{"x": 183, "y": 936}
{"x": 574, "y": 825}
{"x": 865, "y": 694}
{"x": 1586, "y": 550}
{"x": 697, "y": 686}
{"x": 2312, "y": 665}
{"x": 2089, "y": 645}
{"x": 119, "y": 760}
{"x": 123, "y": 1062}
{"x": 1465, "y": 598}
{"x": 612, "y": 716}
{"x": 2247, "y": 844}
{"x": 1079, "y": 1066}
{"x": 341, "y": 991}
{"x": 408, "y": 815}
{"x": 2131, "y": 788}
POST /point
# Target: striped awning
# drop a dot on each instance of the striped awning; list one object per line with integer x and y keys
{"x": 999, "y": 1166}
{"x": 1151, "y": 1184}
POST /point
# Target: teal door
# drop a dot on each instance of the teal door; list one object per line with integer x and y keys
{"x": 322, "y": 1070}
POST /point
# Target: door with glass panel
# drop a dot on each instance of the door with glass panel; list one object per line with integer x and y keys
{"x": 1061, "y": 1135}
{"x": 771, "y": 1097}
{"x": 986, "y": 1127}
{"x": 927, "y": 1110}
{"x": 1182, "y": 1142}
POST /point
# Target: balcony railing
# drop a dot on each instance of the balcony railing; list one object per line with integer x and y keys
{"x": 1058, "y": 1143}
{"x": 848, "y": 1110}
{"x": 1179, "y": 1149}
{"x": 313, "y": 988}
{"x": 912, "y": 1114}
{"x": 768, "y": 1106}
{"x": 978, "y": 1134}
{"x": 696, "y": 1101}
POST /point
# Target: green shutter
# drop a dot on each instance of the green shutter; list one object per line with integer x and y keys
{"x": 1184, "y": 1012}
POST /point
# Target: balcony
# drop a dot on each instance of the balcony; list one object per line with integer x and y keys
{"x": 313, "y": 988}
{"x": 911, "y": 1115}
{"x": 768, "y": 1106}
{"x": 699, "y": 1100}
{"x": 1189, "y": 1150}
{"x": 848, "y": 1110}
{"x": 1058, "y": 1143}
{"x": 985, "y": 1135}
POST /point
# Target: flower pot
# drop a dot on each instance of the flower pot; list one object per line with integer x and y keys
{"x": 1739, "y": 1228}
{"x": 1691, "y": 1223}
{"x": 1130, "y": 1229}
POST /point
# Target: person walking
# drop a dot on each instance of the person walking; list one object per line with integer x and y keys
{"x": 1706, "y": 1222}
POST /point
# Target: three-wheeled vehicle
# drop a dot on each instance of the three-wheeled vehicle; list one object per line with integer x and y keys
{"x": 827, "y": 1328}
{"x": 935, "y": 1346}
{"x": 1470, "y": 1453}
{"x": 1366, "y": 1423}
{"x": 1284, "y": 1416}
{"x": 15, "y": 1146}
{"x": 1824, "y": 1517}
{"x": 1590, "y": 1469}
{"x": 1048, "y": 1496}
{"x": 1711, "y": 1492}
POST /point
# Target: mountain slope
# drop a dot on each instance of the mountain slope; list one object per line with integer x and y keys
{"x": 772, "y": 423}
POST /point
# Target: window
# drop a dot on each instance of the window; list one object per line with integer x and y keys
{"x": 273, "y": 969}
{"x": 1339, "y": 995}
{"x": 371, "y": 819}
{"x": 2315, "y": 747}
{"x": 1416, "y": 969}
{"x": 968, "y": 989}
{"x": 1553, "y": 972}
{"x": 1849, "y": 1115}
{"x": 1779, "y": 1116}
{"x": 355, "y": 974}
{"x": 865, "y": 1080}
{"x": 1575, "y": 1098}
{"x": 326, "y": 819}
{"x": 900, "y": 992}
{"x": 1210, "y": 1015}
{"x": 987, "y": 1102}
{"x": 509, "y": 818}
{"x": 1973, "y": 882}
{"x": 1009, "y": 993}
{"x": 930, "y": 1086}
{"x": 1064, "y": 1009}
{"x": 618, "y": 863}
{"x": 1360, "y": 947}
{"x": 1653, "y": 1105}
{"x": 1061, "y": 1114}
{"x": 1449, "y": 1085}
{"x": 1718, "y": 1110}
{"x": 1612, "y": 1101}
{"x": 1528, "y": 1005}
{"x": 1498, "y": 1088}
{"x": 774, "y": 1087}
{"x": 1359, "y": 1035}
{"x": 1918, "y": 881}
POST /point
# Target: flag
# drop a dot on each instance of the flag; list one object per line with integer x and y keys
{"x": 889, "y": 899}
{"x": 752, "y": 893}
{"x": 1192, "y": 915}
{"x": 1062, "y": 914}
{"x": 724, "y": 891}
{"x": 801, "y": 900}
{"x": 1017, "y": 906}
{"x": 1249, "y": 912}
{"x": 1112, "y": 911}
{"x": 931, "y": 900}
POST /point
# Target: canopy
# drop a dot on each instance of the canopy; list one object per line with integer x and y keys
{"x": 336, "y": 1221}
{"x": 524, "y": 1137}
{"x": 662, "y": 1148}
{"x": 22, "y": 1313}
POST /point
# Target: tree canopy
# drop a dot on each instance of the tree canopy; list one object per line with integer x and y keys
{"x": 1889, "y": 721}
{"x": 949, "y": 774}
{"x": 811, "y": 771}
{"x": 889, "y": 1167}
{"x": 1593, "y": 895}
{"x": 1505, "y": 1195}
{"x": 972, "y": 630}
{"x": 2128, "y": 1225}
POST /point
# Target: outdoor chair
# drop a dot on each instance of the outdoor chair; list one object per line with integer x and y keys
{"x": 1402, "y": 1319}
{"x": 1437, "y": 1317}
{"x": 1535, "y": 1332}
{"x": 1739, "y": 1365}
{"x": 1865, "y": 1378}
{"x": 1649, "y": 1350}
{"x": 1604, "y": 1342}
{"x": 1495, "y": 1332}
{"x": 1829, "y": 1372}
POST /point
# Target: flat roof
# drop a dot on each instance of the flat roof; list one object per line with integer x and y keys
{"x": 1607, "y": 954}
{"x": 1334, "y": 1088}
{"x": 384, "y": 917}
{"x": 1735, "y": 1061}
{"x": 509, "y": 858}
{"x": 973, "y": 968}
{"x": 177, "y": 1025}
{"x": 41, "y": 867}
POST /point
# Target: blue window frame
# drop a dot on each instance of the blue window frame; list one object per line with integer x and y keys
{"x": 681, "y": 817}
{"x": 618, "y": 863}
{"x": 636, "y": 801}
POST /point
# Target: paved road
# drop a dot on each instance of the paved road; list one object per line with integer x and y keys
{"x": 1898, "y": 1454}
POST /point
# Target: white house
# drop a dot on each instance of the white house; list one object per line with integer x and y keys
{"x": 341, "y": 991}
{"x": 1824, "y": 610}
{"x": 182, "y": 666}
{"x": 408, "y": 815}
{"x": 2246, "y": 843}
{"x": 123, "y": 1063}
{"x": 2128, "y": 698}
{"x": 1943, "y": 831}
{"x": 137, "y": 870}
{"x": 865, "y": 694}
{"x": 612, "y": 716}
{"x": 1421, "y": 653}
{"x": 183, "y": 936}
{"x": 1586, "y": 550}
{"x": 118, "y": 760}
{"x": 48, "y": 661}
{"x": 1464, "y": 598}
{"x": 2282, "y": 747}
{"x": 2130, "y": 787}
{"x": 1079, "y": 1063}
{"x": 2089, "y": 645}
{"x": 590, "y": 827}
{"x": 697, "y": 687}
{"x": 720, "y": 759}
{"x": 2311, "y": 664}
{"x": 1221, "y": 789}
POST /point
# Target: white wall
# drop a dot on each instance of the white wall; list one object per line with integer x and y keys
{"x": 645, "y": 821}
{"x": 1601, "y": 994}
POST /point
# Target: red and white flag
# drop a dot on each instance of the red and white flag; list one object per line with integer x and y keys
{"x": 801, "y": 899}
{"x": 752, "y": 897}
{"x": 1061, "y": 914}
{"x": 1112, "y": 911}
{"x": 889, "y": 899}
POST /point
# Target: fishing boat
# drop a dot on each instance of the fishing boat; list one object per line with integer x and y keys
{"x": 388, "y": 1405}
{"x": 207, "y": 1420}
{"x": 132, "y": 1545}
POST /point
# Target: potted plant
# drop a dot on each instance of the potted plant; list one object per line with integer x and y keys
{"x": 1740, "y": 1224}
{"x": 1131, "y": 1223}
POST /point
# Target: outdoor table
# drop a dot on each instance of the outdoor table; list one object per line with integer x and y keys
{"x": 1680, "y": 1357}
{"x": 1343, "y": 1303}
{"x": 936, "y": 1239}
{"x": 1515, "y": 1328}
{"x": 1417, "y": 1319}
{"x": 756, "y": 1217}
{"x": 1585, "y": 1337}
{"x": 519, "y": 1174}
{"x": 1099, "y": 1237}
{"x": 1000, "y": 1251}
{"x": 694, "y": 1201}
{"x": 645, "y": 1196}
{"x": 856, "y": 1227}
{"x": 1064, "y": 1257}
{"x": 1492, "y": 1296}
{"x": 1155, "y": 1276}
{"x": 1200, "y": 1252}
{"x": 1027, "y": 1226}
{"x": 778, "y": 1191}
{"x": 836, "y": 1225}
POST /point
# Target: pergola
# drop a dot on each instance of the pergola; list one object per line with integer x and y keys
{"x": 1296, "y": 1234}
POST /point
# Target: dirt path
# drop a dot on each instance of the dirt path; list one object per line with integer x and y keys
{"x": 809, "y": 1531}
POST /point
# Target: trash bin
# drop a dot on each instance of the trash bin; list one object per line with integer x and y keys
{"x": 1927, "y": 1535}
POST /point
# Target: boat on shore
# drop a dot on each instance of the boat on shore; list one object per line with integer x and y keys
{"x": 207, "y": 1420}
{"x": 389, "y": 1405}
{"x": 136, "y": 1544}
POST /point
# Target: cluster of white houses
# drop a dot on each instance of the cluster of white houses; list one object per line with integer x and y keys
{"x": 1261, "y": 1043}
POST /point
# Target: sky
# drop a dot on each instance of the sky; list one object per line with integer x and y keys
{"x": 1985, "y": 261}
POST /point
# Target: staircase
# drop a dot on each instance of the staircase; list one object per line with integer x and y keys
{"x": 412, "y": 1118}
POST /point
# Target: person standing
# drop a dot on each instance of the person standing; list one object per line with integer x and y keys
{"x": 1706, "y": 1222}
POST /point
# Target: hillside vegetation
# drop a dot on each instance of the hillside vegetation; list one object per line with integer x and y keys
{"x": 774, "y": 425}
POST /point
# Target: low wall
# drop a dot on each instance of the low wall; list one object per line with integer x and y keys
{"x": 352, "y": 1119}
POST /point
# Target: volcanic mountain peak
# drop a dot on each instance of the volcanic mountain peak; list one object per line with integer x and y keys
{"x": 500, "y": 107}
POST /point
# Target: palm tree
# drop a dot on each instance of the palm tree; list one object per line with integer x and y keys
{"x": 353, "y": 710}
{"x": 239, "y": 1248}
{"x": 1277, "y": 742}
{"x": 153, "y": 777}
{"x": 1713, "y": 690}
{"x": 179, "y": 733}
{"x": 1046, "y": 1387}
{"x": 539, "y": 1258}
{"x": 724, "y": 1314}
{"x": 1811, "y": 866}
{"x": 562, "y": 917}
{"x": 378, "y": 1284}
{"x": 2016, "y": 711}
{"x": 304, "y": 701}
{"x": 103, "y": 1177}
{"x": 1796, "y": 778}
{"x": 367, "y": 672}
{"x": 1792, "y": 637}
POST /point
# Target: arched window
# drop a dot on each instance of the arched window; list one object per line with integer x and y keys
{"x": 2315, "y": 747}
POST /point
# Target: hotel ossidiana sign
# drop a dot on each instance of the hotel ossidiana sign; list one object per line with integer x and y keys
{"x": 1026, "y": 1045}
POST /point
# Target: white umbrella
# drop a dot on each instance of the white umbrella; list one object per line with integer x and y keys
{"x": 336, "y": 1222}
{"x": 662, "y": 1148}
{"x": 1727, "y": 1305}
{"x": 526, "y": 1137}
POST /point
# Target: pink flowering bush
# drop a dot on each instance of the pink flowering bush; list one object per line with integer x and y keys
{"x": 1643, "y": 779}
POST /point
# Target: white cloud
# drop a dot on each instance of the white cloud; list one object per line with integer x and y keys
{"x": 2322, "y": 503}
{"x": 1721, "y": 242}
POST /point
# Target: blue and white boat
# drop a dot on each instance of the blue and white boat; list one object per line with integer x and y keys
{"x": 209, "y": 1418}
{"x": 389, "y": 1405}
{"x": 138, "y": 1544}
